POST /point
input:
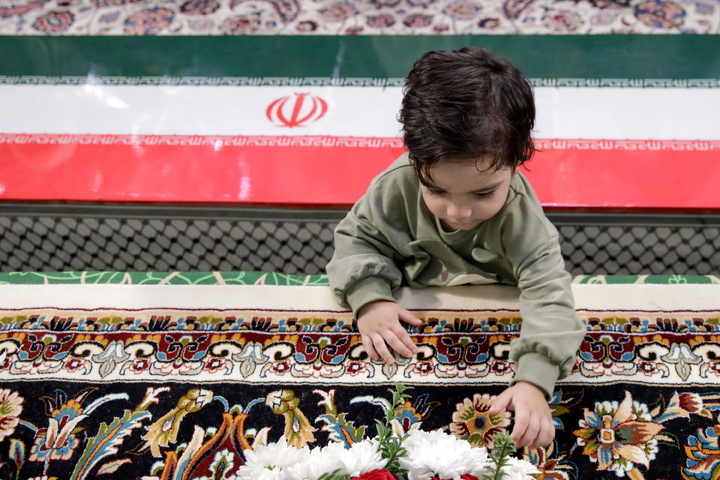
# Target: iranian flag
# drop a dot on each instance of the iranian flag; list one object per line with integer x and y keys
{"x": 623, "y": 121}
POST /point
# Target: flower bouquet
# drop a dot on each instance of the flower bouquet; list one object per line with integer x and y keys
{"x": 391, "y": 455}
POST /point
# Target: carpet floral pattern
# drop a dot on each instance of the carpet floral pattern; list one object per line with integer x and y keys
{"x": 353, "y": 17}
{"x": 158, "y": 393}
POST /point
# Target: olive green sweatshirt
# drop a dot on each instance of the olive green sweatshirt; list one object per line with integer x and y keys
{"x": 390, "y": 238}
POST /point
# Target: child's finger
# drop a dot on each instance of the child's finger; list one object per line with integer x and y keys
{"x": 401, "y": 342}
{"x": 369, "y": 347}
{"x": 522, "y": 432}
{"x": 382, "y": 349}
{"x": 546, "y": 434}
{"x": 409, "y": 348}
{"x": 408, "y": 317}
{"x": 500, "y": 403}
{"x": 529, "y": 435}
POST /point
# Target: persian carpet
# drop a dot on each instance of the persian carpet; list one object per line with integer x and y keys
{"x": 356, "y": 17}
{"x": 175, "y": 381}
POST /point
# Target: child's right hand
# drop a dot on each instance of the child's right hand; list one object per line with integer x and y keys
{"x": 379, "y": 326}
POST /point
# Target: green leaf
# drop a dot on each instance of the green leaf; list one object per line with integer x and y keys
{"x": 336, "y": 475}
{"x": 504, "y": 449}
{"x": 390, "y": 445}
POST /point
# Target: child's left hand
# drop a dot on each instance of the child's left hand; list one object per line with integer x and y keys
{"x": 533, "y": 419}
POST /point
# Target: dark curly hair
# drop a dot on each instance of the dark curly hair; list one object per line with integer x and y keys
{"x": 466, "y": 105}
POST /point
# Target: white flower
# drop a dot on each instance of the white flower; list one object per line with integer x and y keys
{"x": 361, "y": 457}
{"x": 260, "y": 474}
{"x": 333, "y": 453}
{"x": 439, "y": 454}
{"x": 518, "y": 470}
{"x": 319, "y": 462}
{"x": 269, "y": 462}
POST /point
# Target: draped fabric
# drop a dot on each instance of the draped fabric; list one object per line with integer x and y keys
{"x": 175, "y": 381}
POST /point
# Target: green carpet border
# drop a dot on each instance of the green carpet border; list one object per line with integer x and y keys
{"x": 275, "y": 278}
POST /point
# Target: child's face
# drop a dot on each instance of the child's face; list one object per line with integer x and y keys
{"x": 466, "y": 195}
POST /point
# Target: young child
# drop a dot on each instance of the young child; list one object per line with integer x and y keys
{"x": 455, "y": 210}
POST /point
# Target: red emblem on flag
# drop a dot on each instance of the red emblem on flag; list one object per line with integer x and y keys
{"x": 304, "y": 109}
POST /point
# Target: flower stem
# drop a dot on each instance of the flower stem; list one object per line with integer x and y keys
{"x": 389, "y": 444}
{"x": 504, "y": 449}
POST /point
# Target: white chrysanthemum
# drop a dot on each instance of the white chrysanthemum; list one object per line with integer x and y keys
{"x": 260, "y": 474}
{"x": 319, "y": 462}
{"x": 333, "y": 452}
{"x": 268, "y": 462}
{"x": 361, "y": 457}
{"x": 439, "y": 454}
{"x": 518, "y": 470}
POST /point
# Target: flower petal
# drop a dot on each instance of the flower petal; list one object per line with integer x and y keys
{"x": 634, "y": 454}
{"x": 593, "y": 419}
{"x": 585, "y": 432}
{"x": 605, "y": 457}
{"x": 635, "y": 433}
{"x": 624, "y": 411}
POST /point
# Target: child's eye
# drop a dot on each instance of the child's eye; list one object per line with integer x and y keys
{"x": 485, "y": 194}
{"x": 436, "y": 193}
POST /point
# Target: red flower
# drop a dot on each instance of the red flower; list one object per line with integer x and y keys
{"x": 379, "y": 474}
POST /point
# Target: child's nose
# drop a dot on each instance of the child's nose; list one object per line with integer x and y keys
{"x": 456, "y": 210}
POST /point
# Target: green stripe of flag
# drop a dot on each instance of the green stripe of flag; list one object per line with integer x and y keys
{"x": 591, "y": 56}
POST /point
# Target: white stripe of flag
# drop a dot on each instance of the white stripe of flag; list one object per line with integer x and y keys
{"x": 563, "y": 113}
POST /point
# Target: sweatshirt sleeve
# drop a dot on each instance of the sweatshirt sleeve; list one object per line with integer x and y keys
{"x": 362, "y": 269}
{"x": 551, "y": 332}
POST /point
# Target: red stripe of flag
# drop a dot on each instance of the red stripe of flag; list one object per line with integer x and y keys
{"x": 285, "y": 173}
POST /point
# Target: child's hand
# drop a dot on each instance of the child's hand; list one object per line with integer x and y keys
{"x": 533, "y": 419}
{"x": 379, "y": 326}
